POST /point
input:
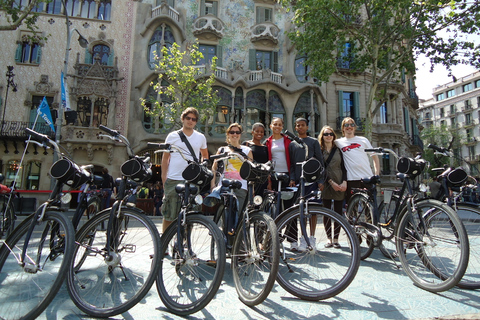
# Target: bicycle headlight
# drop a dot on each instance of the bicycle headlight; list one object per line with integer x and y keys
{"x": 257, "y": 200}
{"x": 198, "y": 199}
{"x": 66, "y": 198}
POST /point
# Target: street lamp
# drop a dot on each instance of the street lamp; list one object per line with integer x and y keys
{"x": 10, "y": 82}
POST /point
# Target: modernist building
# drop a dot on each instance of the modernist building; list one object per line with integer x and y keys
{"x": 456, "y": 105}
{"x": 260, "y": 75}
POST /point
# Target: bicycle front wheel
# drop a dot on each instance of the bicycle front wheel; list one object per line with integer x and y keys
{"x": 187, "y": 281}
{"x": 387, "y": 225}
{"x": 470, "y": 216}
{"x": 433, "y": 249}
{"x": 360, "y": 214}
{"x": 103, "y": 282}
{"x": 255, "y": 258}
{"x": 28, "y": 287}
{"x": 8, "y": 218}
{"x": 324, "y": 271}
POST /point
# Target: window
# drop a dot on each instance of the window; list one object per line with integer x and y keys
{"x": 427, "y": 116}
{"x": 384, "y": 113}
{"x": 101, "y": 54}
{"x": 442, "y": 112}
{"x": 32, "y": 179}
{"x": 345, "y": 58}
{"x": 467, "y": 87}
{"x": 477, "y": 83}
{"x": 468, "y": 118}
{"x": 263, "y": 60}
{"x": 450, "y": 93}
{"x": 440, "y": 96}
{"x": 73, "y": 7}
{"x": 100, "y": 112}
{"x": 28, "y": 51}
{"x": 208, "y": 53}
{"x": 386, "y": 164}
{"x": 406, "y": 120}
{"x": 263, "y": 14}
{"x": 349, "y": 104}
{"x": 95, "y": 117}
{"x": 453, "y": 109}
{"x": 54, "y": 7}
{"x": 162, "y": 37}
{"x": 443, "y": 123}
{"x": 468, "y": 104}
{"x": 469, "y": 134}
{"x": 104, "y": 8}
{"x": 256, "y": 107}
{"x": 453, "y": 121}
{"x": 84, "y": 111}
{"x": 301, "y": 69}
{"x": 303, "y": 109}
{"x": 208, "y": 7}
{"x": 89, "y": 9}
{"x": 471, "y": 152}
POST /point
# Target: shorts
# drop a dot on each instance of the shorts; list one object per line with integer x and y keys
{"x": 171, "y": 201}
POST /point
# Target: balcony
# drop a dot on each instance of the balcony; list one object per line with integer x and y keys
{"x": 416, "y": 141}
{"x": 15, "y": 130}
{"x": 468, "y": 107}
{"x": 471, "y": 123}
{"x": 265, "y": 74}
{"x": 165, "y": 10}
{"x": 412, "y": 98}
{"x": 265, "y": 32}
{"x": 208, "y": 27}
{"x": 220, "y": 73}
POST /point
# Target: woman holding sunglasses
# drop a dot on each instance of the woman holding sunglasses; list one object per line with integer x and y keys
{"x": 231, "y": 168}
{"x": 354, "y": 156}
{"x": 333, "y": 191}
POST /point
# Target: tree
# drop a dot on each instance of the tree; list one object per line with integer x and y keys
{"x": 188, "y": 85}
{"x": 16, "y": 15}
{"x": 381, "y": 38}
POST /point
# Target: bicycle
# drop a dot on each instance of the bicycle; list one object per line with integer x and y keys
{"x": 35, "y": 257}
{"x": 433, "y": 252}
{"x": 116, "y": 254}
{"x": 454, "y": 185}
{"x": 314, "y": 274}
{"x": 192, "y": 257}
{"x": 7, "y": 208}
{"x": 250, "y": 234}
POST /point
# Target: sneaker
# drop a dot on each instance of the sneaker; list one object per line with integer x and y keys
{"x": 303, "y": 245}
{"x": 313, "y": 241}
{"x": 293, "y": 246}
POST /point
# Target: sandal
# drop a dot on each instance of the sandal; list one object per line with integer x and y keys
{"x": 337, "y": 245}
{"x": 328, "y": 245}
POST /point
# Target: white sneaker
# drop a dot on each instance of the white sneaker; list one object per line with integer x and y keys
{"x": 303, "y": 244}
{"x": 293, "y": 246}
{"x": 313, "y": 241}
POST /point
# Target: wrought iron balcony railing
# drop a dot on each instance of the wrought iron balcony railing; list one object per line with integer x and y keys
{"x": 16, "y": 129}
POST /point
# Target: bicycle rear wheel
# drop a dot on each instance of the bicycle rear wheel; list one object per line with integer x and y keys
{"x": 359, "y": 214}
{"x": 27, "y": 289}
{"x": 434, "y": 254}
{"x": 255, "y": 258}
{"x": 325, "y": 271}
{"x": 103, "y": 282}
{"x": 470, "y": 216}
{"x": 186, "y": 285}
{"x": 388, "y": 247}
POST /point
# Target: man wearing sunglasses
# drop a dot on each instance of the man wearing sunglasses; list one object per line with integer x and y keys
{"x": 354, "y": 156}
{"x": 173, "y": 163}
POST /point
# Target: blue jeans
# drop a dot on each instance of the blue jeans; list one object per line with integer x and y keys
{"x": 107, "y": 195}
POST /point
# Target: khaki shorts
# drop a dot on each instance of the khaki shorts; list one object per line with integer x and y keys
{"x": 171, "y": 201}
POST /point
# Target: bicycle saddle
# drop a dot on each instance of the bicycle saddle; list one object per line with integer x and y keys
{"x": 371, "y": 180}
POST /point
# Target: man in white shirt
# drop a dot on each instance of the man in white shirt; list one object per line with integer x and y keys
{"x": 354, "y": 156}
{"x": 173, "y": 163}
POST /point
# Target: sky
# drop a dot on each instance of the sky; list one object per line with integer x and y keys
{"x": 426, "y": 80}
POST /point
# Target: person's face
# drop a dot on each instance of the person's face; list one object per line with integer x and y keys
{"x": 234, "y": 134}
{"x": 189, "y": 121}
{"x": 276, "y": 126}
{"x": 301, "y": 128}
{"x": 349, "y": 128}
{"x": 327, "y": 135}
{"x": 258, "y": 133}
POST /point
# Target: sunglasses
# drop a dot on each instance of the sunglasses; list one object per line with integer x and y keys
{"x": 235, "y": 132}
{"x": 191, "y": 118}
{"x": 326, "y": 134}
{"x": 346, "y": 125}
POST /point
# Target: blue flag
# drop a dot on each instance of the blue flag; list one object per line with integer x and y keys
{"x": 44, "y": 112}
{"x": 65, "y": 97}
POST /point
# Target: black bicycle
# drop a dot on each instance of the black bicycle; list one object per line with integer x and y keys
{"x": 192, "y": 252}
{"x": 116, "y": 254}
{"x": 8, "y": 216}
{"x": 431, "y": 241}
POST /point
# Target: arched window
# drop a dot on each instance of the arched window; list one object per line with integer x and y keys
{"x": 224, "y": 109}
{"x": 54, "y": 7}
{"x": 84, "y": 110}
{"x": 256, "y": 108}
{"x": 73, "y": 7}
{"x": 104, "y": 8}
{"x": 162, "y": 37}
{"x": 89, "y": 9}
{"x": 150, "y": 124}
{"x": 303, "y": 109}
{"x": 275, "y": 106}
{"x": 238, "y": 105}
{"x": 100, "y": 112}
{"x": 101, "y": 54}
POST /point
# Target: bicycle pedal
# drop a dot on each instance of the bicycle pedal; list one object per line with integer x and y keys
{"x": 130, "y": 248}
{"x": 211, "y": 263}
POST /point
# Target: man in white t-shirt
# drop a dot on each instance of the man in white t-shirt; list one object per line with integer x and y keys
{"x": 173, "y": 163}
{"x": 354, "y": 156}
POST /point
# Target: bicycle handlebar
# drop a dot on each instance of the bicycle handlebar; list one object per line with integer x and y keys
{"x": 44, "y": 139}
{"x": 293, "y": 137}
{"x": 381, "y": 151}
{"x": 117, "y": 136}
{"x": 441, "y": 150}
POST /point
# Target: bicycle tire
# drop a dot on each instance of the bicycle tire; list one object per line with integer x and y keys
{"x": 8, "y": 217}
{"x": 186, "y": 286}
{"x": 434, "y": 255}
{"x": 94, "y": 206}
{"x": 255, "y": 258}
{"x": 325, "y": 272}
{"x": 360, "y": 211}
{"x": 387, "y": 247}
{"x": 102, "y": 285}
{"x": 470, "y": 216}
{"x": 26, "y": 294}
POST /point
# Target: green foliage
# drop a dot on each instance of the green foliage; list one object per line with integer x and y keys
{"x": 385, "y": 37}
{"x": 188, "y": 85}
{"x": 17, "y": 16}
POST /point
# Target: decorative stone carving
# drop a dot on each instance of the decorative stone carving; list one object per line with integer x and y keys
{"x": 208, "y": 27}
{"x": 265, "y": 31}
{"x": 89, "y": 151}
{"x": 110, "y": 154}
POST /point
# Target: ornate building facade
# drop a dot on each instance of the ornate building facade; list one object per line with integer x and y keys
{"x": 260, "y": 75}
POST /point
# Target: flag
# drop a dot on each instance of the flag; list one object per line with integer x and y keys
{"x": 65, "y": 98}
{"x": 44, "y": 112}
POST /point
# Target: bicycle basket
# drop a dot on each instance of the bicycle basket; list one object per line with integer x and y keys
{"x": 253, "y": 172}
{"x": 197, "y": 174}
{"x": 69, "y": 173}
{"x": 457, "y": 177}
{"x": 312, "y": 169}
{"x": 410, "y": 166}
{"x": 136, "y": 169}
